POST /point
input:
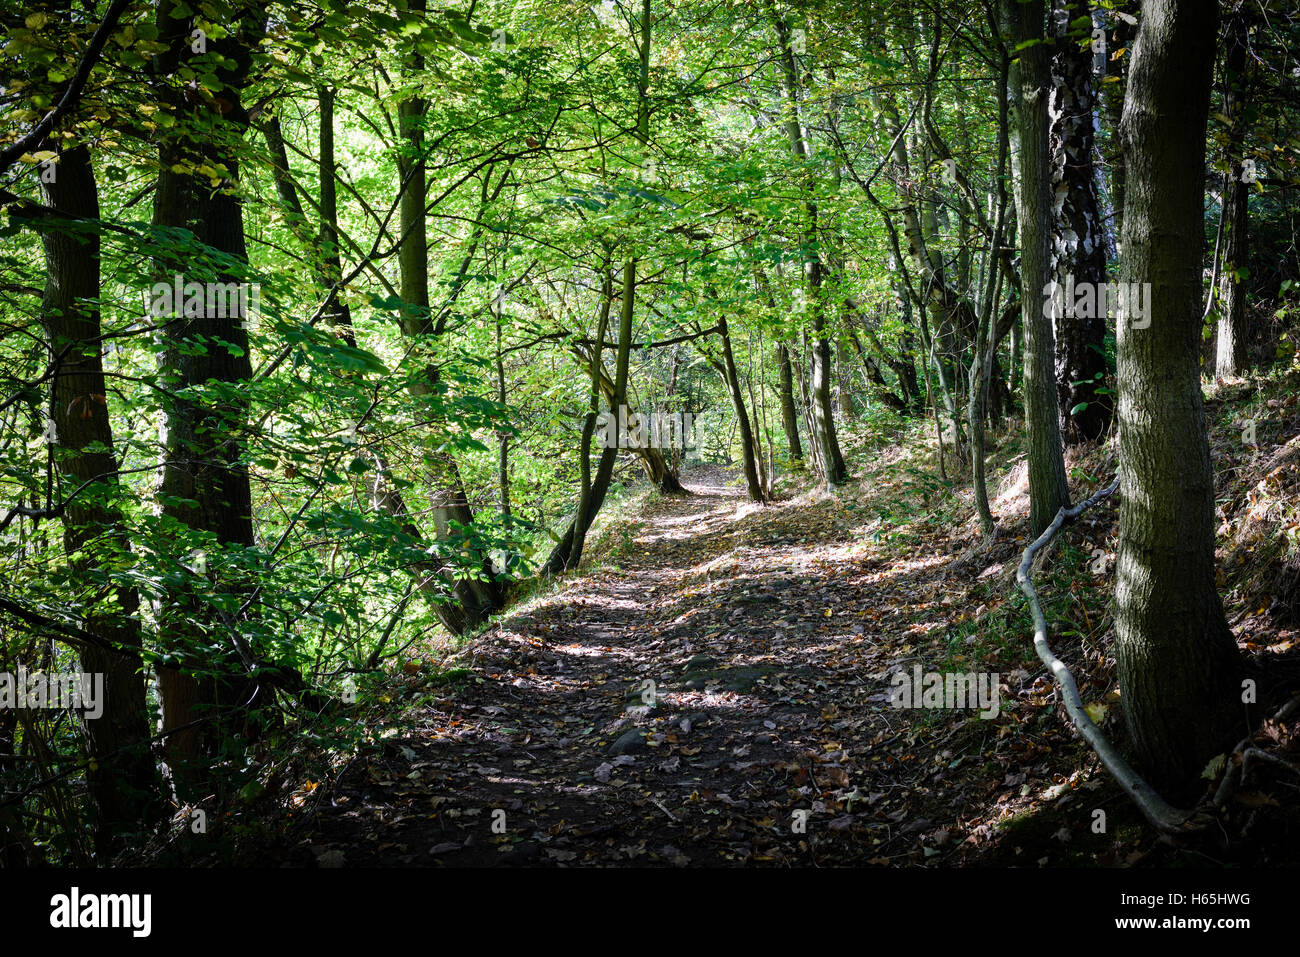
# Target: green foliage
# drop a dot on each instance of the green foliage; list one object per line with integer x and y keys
{"x": 547, "y": 169}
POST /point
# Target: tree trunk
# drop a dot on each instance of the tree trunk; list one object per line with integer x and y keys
{"x": 563, "y": 555}
{"x": 1119, "y": 37}
{"x": 657, "y": 468}
{"x": 805, "y": 409}
{"x": 475, "y": 598}
{"x": 785, "y": 381}
{"x": 503, "y": 437}
{"x": 823, "y": 413}
{"x": 986, "y": 337}
{"x": 205, "y": 484}
{"x": 322, "y": 247}
{"x": 1030, "y": 85}
{"x": 732, "y": 380}
{"x": 582, "y": 518}
{"x": 122, "y": 778}
{"x": 1230, "y": 352}
{"x": 1179, "y": 670}
{"x": 844, "y": 369}
{"x": 339, "y": 314}
{"x": 560, "y": 557}
{"x": 789, "y": 414}
{"x": 1078, "y": 238}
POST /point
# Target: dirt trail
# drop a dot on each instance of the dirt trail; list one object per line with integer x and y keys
{"x": 714, "y": 693}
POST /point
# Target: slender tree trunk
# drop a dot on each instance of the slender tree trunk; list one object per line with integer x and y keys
{"x": 806, "y": 407}
{"x": 572, "y": 542}
{"x": 476, "y": 597}
{"x": 986, "y": 340}
{"x": 1179, "y": 670}
{"x": 295, "y": 216}
{"x": 732, "y": 380}
{"x": 339, "y": 314}
{"x": 1230, "y": 352}
{"x": 823, "y": 409}
{"x": 872, "y": 368}
{"x": 844, "y": 369}
{"x": 764, "y": 480}
{"x": 905, "y": 367}
{"x": 503, "y": 437}
{"x": 785, "y": 380}
{"x": 1120, "y": 36}
{"x": 1030, "y": 87}
{"x": 322, "y": 246}
{"x": 655, "y": 463}
{"x": 789, "y": 414}
{"x": 823, "y": 413}
{"x": 582, "y": 519}
{"x": 562, "y": 556}
{"x": 1017, "y": 348}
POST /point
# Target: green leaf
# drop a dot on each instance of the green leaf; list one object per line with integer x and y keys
{"x": 351, "y": 357}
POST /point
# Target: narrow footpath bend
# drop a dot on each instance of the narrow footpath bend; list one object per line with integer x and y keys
{"x": 714, "y": 693}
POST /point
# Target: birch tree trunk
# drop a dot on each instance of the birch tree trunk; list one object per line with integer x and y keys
{"x": 1230, "y": 351}
{"x": 1078, "y": 238}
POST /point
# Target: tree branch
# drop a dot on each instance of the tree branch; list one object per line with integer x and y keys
{"x": 72, "y": 94}
{"x": 1163, "y": 816}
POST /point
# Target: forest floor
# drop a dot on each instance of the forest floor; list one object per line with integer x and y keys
{"x": 714, "y": 689}
{"x": 768, "y": 735}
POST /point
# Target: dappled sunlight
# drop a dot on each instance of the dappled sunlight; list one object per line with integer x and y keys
{"x": 593, "y": 435}
{"x": 1013, "y": 495}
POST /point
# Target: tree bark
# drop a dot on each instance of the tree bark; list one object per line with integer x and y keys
{"x": 478, "y": 596}
{"x": 986, "y": 339}
{"x": 1179, "y": 670}
{"x": 562, "y": 556}
{"x": 823, "y": 411}
{"x": 732, "y": 380}
{"x": 656, "y": 465}
{"x": 321, "y": 246}
{"x": 1078, "y": 238}
{"x": 1119, "y": 37}
{"x": 1230, "y": 351}
{"x": 789, "y": 414}
{"x": 339, "y": 314}
{"x": 122, "y": 778}
{"x": 582, "y": 519}
{"x": 205, "y": 485}
{"x": 844, "y": 373}
{"x": 785, "y": 381}
{"x": 1030, "y": 85}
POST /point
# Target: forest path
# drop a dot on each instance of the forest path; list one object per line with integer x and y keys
{"x": 768, "y": 634}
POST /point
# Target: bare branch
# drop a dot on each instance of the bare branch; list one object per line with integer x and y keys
{"x": 1165, "y": 817}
